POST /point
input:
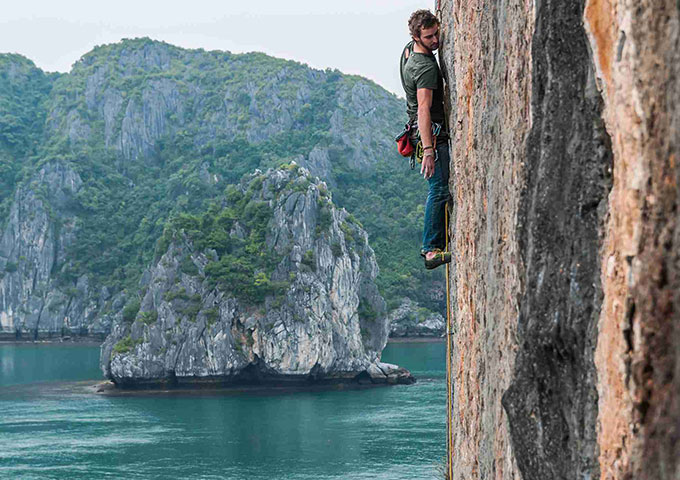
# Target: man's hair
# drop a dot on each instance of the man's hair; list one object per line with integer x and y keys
{"x": 421, "y": 19}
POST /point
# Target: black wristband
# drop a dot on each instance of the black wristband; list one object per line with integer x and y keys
{"x": 428, "y": 147}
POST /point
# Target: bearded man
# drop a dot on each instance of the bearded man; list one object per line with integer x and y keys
{"x": 424, "y": 87}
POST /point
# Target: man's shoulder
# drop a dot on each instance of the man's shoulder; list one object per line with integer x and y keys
{"x": 419, "y": 63}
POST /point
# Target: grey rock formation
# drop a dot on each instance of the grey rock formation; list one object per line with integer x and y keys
{"x": 410, "y": 320}
{"x": 319, "y": 164}
{"x": 142, "y": 104}
{"x": 328, "y": 324}
{"x": 41, "y": 226}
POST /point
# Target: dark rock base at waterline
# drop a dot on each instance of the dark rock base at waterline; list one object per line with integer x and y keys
{"x": 51, "y": 337}
{"x": 243, "y": 383}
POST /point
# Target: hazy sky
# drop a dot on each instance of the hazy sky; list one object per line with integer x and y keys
{"x": 355, "y": 36}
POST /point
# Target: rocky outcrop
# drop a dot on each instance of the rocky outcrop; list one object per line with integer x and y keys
{"x": 410, "y": 320}
{"x": 42, "y": 225}
{"x": 323, "y": 320}
{"x": 565, "y": 186}
{"x": 152, "y": 129}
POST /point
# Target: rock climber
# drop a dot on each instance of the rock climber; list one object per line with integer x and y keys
{"x": 424, "y": 87}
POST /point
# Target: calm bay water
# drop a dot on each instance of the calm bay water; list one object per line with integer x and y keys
{"x": 52, "y": 428}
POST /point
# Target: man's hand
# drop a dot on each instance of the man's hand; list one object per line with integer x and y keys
{"x": 427, "y": 167}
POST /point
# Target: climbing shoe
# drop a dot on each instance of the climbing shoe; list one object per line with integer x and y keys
{"x": 440, "y": 258}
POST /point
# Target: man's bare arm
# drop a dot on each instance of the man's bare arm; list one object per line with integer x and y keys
{"x": 424, "y": 96}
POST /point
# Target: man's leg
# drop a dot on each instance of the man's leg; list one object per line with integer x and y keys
{"x": 434, "y": 231}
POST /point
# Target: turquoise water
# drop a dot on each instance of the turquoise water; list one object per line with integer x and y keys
{"x": 51, "y": 427}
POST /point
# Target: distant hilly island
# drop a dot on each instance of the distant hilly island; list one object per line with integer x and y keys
{"x": 95, "y": 164}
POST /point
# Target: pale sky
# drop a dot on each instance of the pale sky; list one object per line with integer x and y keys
{"x": 361, "y": 37}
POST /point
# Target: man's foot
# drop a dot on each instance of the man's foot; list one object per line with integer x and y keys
{"x": 436, "y": 258}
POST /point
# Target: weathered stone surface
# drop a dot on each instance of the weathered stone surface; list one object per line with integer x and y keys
{"x": 126, "y": 107}
{"x": 566, "y": 192}
{"x": 488, "y": 72}
{"x": 32, "y": 247}
{"x": 312, "y": 332}
{"x": 408, "y": 320}
{"x": 636, "y": 47}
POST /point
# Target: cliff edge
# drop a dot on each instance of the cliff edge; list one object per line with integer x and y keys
{"x": 272, "y": 285}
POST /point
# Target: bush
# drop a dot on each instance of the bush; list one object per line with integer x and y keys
{"x": 126, "y": 345}
{"x": 366, "y": 311}
{"x": 309, "y": 259}
{"x": 325, "y": 219}
{"x": 188, "y": 266}
{"x": 130, "y": 310}
{"x": 149, "y": 317}
{"x": 211, "y": 316}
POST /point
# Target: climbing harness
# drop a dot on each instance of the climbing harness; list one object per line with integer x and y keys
{"x": 419, "y": 152}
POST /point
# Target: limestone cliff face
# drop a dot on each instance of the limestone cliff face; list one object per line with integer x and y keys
{"x": 146, "y": 130}
{"x": 325, "y": 323}
{"x": 565, "y": 191}
{"x": 41, "y": 226}
{"x": 636, "y": 54}
{"x": 409, "y": 320}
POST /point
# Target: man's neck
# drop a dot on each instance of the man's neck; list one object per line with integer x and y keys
{"x": 419, "y": 48}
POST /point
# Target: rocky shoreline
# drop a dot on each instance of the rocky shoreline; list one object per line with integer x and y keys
{"x": 379, "y": 373}
{"x": 109, "y": 389}
{"x": 93, "y": 340}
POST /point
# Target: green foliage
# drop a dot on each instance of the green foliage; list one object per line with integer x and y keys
{"x": 325, "y": 218}
{"x": 309, "y": 259}
{"x": 188, "y": 266}
{"x": 177, "y": 294}
{"x": 366, "y": 311}
{"x": 190, "y": 311}
{"x": 148, "y": 317}
{"x": 124, "y": 204}
{"x": 244, "y": 265}
{"x": 130, "y": 310}
{"x": 211, "y": 315}
{"x": 10, "y": 267}
{"x": 24, "y": 91}
{"x": 336, "y": 248}
{"x": 125, "y": 345}
{"x": 347, "y": 230}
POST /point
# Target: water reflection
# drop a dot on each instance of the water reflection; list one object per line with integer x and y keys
{"x": 58, "y": 430}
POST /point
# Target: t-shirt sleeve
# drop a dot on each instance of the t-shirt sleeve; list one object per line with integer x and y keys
{"x": 426, "y": 77}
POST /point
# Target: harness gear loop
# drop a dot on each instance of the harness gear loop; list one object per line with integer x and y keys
{"x": 420, "y": 151}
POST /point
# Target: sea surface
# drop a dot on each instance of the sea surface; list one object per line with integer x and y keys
{"x": 52, "y": 427}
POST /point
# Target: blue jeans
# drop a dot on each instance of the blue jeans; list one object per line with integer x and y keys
{"x": 434, "y": 231}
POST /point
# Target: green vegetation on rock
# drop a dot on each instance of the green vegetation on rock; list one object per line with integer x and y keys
{"x": 216, "y": 116}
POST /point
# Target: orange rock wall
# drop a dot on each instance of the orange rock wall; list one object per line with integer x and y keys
{"x": 635, "y": 46}
{"x": 489, "y": 77}
{"x": 565, "y": 347}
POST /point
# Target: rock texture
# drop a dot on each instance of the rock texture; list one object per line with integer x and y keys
{"x": 32, "y": 248}
{"x": 94, "y": 162}
{"x": 564, "y": 177}
{"x": 636, "y": 53}
{"x": 409, "y": 320}
{"x": 327, "y": 325}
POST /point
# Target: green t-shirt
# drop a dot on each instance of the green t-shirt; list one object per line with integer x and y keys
{"x": 421, "y": 71}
